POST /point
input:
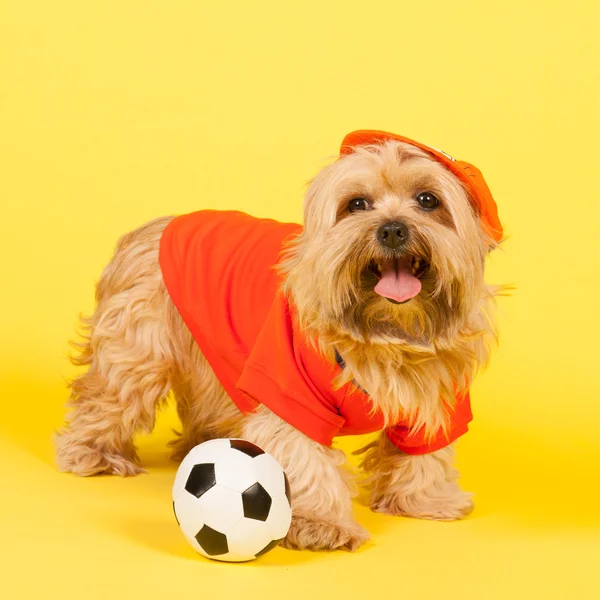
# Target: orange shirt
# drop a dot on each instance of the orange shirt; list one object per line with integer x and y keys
{"x": 218, "y": 269}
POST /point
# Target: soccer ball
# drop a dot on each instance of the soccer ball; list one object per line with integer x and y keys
{"x": 231, "y": 500}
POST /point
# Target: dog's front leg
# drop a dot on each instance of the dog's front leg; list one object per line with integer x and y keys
{"x": 423, "y": 486}
{"x": 321, "y": 487}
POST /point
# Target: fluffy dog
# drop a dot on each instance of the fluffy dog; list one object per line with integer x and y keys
{"x": 379, "y": 303}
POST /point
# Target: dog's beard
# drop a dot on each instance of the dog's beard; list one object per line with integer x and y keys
{"x": 361, "y": 309}
{"x": 337, "y": 288}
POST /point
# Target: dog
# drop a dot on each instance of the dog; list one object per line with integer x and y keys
{"x": 373, "y": 316}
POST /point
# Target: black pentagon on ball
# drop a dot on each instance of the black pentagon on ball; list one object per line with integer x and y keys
{"x": 268, "y": 547}
{"x": 246, "y": 447}
{"x": 212, "y": 542}
{"x": 200, "y": 479}
{"x": 257, "y": 502}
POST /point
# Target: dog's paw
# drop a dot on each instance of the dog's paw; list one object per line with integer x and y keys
{"x": 85, "y": 461}
{"x": 316, "y": 534}
{"x": 448, "y": 504}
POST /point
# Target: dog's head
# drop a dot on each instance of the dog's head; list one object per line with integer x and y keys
{"x": 393, "y": 248}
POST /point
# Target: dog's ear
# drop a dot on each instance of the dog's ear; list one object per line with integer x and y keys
{"x": 320, "y": 203}
{"x": 491, "y": 232}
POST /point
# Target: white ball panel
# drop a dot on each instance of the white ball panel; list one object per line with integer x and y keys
{"x": 232, "y": 557}
{"x": 221, "y": 508}
{"x": 188, "y": 513}
{"x": 280, "y": 517}
{"x": 248, "y": 537}
{"x": 235, "y": 470}
{"x": 269, "y": 474}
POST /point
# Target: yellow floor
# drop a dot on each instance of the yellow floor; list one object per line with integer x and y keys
{"x": 535, "y": 532}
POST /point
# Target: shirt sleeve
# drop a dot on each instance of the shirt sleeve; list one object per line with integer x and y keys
{"x": 412, "y": 441}
{"x": 276, "y": 375}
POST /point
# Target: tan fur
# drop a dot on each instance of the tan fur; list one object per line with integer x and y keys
{"x": 410, "y": 357}
{"x": 415, "y": 486}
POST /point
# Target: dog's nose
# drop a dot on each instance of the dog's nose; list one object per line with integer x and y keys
{"x": 393, "y": 235}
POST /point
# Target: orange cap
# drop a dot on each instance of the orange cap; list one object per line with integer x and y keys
{"x": 467, "y": 174}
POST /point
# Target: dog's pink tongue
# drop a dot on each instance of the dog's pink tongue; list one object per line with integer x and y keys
{"x": 397, "y": 281}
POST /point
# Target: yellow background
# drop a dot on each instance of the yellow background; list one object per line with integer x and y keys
{"x": 114, "y": 112}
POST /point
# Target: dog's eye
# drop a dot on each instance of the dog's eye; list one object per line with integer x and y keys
{"x": 427, "y": 201}
{"x": 357, "y": 204}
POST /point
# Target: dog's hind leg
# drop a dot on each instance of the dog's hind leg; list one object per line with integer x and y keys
{"x": 129, "y": 354}
{"x": 205, "y": 409}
